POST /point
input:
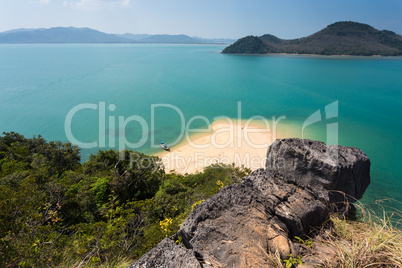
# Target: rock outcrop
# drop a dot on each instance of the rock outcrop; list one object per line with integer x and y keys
{"x": 343, "y": 171}
{"x": 167, "y": 254}
{"x": 240, "y": 224}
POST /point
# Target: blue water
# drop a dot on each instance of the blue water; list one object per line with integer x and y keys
{"x": 40, "y": 84}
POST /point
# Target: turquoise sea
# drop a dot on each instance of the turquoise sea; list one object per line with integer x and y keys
{"x": 40, "y": 84}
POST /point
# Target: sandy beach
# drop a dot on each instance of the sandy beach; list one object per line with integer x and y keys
{"x": 227, "y": 141}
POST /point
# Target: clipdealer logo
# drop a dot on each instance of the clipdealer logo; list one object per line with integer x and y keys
{"x": 146, "y": 130}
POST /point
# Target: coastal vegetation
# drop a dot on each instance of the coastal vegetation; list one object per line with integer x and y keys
{"x": 340, "y": 38}
{"x": 57, "y": 212}
{"x": 109, "y": 211}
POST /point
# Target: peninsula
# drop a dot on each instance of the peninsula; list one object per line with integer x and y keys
{"x": 243, "y": 143}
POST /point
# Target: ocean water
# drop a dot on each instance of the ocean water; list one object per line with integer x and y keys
{"x": 161, "y": 85}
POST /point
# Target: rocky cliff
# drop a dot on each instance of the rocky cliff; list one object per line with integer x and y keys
{"x": 303, "y": 182}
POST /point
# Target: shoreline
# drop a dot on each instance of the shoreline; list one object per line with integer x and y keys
{"x": 317, "y": 55}
{"x": 242, "y": 142}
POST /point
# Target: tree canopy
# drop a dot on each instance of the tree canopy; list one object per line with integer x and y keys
{"x": 57, "y": 212}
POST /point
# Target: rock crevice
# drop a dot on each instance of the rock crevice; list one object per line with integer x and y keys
{"x": 294, "y": 194}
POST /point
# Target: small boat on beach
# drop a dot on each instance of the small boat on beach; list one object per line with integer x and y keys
{"x": 164, "y": 146}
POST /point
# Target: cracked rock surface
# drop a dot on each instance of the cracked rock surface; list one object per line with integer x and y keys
{"x": 240, "y": 224}
{"x": 167, "y": 254}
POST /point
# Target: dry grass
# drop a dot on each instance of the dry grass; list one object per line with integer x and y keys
{"x": 118, "y": 262}
{"x": 275, "y": 260}
{"x": 371, "y": 241}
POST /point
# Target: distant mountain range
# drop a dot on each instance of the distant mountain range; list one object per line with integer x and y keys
{"x": 87, "y": 35}
{"x": 340, "y": 38}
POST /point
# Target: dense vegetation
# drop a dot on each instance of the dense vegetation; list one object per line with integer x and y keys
{"x": 57, "y": 212}
{"x": 340, "y": 38}
{"x": 248, "y": 45}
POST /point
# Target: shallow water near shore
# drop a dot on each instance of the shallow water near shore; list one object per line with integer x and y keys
{"x": 40, "y": 84}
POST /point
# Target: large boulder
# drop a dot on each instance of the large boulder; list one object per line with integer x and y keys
{"x": 240, "y": 224}
{"x": 343, "y": 171}
{"x": 237, "y": 226}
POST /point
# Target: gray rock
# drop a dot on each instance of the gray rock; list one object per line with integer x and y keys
{"x": 320, "y": 256}
{"x": 167, "y": 255}
{"x": 239, "y": 225}
{"x": 343, "y": 171}
{"x": 233, "y": 228}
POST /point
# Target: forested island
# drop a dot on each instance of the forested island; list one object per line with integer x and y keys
{"x": 340, "y": 38}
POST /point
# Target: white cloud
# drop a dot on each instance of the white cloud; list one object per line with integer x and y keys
{"x": 44, "y": 1}
{"x": 96, "y": 4}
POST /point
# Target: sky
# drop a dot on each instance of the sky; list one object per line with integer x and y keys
{"x": 203, "y": 18}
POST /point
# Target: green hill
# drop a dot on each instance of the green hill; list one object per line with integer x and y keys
{"x": 248, "y": 45}
{"x": 340, "y": 38}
